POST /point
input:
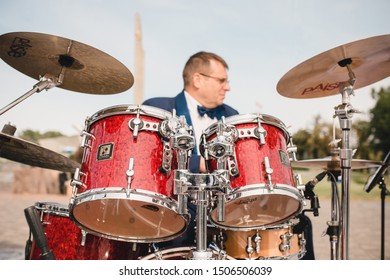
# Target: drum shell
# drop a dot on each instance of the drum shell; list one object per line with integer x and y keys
{"x": 64, "y": 239}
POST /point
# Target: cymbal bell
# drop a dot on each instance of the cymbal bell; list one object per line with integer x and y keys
{"x": 332, "y": 164}
{"x": 323, "y": 74}
{"x": 22, "y": 151}
{"x": 86, "y": 69}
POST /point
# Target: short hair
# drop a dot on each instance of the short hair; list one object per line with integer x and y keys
{"x": 200, "y": 62}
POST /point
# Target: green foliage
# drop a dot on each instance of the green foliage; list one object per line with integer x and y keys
{"x": 380, "y": 122}
{"x": 373, "y": 141}
{"x": 34, "y": 136}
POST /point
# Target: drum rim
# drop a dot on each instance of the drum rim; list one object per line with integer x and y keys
{"x": 179, "y": 249}
{"x": 250, "y": 118}
{"x": 128, "y": 109}
{"x": 253, "y": 189}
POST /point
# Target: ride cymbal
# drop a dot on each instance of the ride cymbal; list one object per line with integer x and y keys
{"x": 86, "y": 69}
{"x": 323, "y": 74}
{"x": 22, "y": 151}
{"x": 331, "y": 164}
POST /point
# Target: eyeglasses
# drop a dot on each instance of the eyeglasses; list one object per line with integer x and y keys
{"x": 222, "y": 81}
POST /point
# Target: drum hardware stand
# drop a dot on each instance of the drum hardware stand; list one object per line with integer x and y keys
{"x": 378, "y": 179}
{"x": 345, "y": 113}
{"x": 333, "y": 229}
{"x": 201, "y": 184}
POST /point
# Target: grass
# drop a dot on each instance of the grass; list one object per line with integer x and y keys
{"x": 356, "y": 185}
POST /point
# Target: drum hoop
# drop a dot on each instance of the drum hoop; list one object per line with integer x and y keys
{"x": 129, "y": 109}
{"x": 254, "y": 189}
{"x": 251, "y": 118}
{"x": 121, "y": 193}
{"x": 177, "y": 250}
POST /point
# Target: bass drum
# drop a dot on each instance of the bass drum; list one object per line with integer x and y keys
{"x": 68, "y": 242}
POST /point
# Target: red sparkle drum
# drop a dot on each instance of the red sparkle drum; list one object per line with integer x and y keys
{"x": 270, "y": 243}
{"x": 67, "y": 241}
{"x": 125, "y": 184}
{"x": 263, "y": 190}
{"x": 181, "y": 253}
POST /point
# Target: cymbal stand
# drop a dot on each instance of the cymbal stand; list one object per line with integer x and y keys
{"x": 333, "y": 229}
{"x": 345, "y": 113}
{"x": 378, "y": 179}
{"x": 46, "y": 82}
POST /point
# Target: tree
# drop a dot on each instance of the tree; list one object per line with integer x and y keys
{"x": 380, "y": 122}
{"x": 314, "y": 144}
{"x": 34, "y": 136}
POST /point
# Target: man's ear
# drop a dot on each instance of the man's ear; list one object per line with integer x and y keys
{"x": 196, "y": 80}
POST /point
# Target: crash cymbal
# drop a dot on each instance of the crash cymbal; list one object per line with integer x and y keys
{"x": 87, "y": 70}
{"x": 321, "y": 75}
{"x": 32, "y": 154}
{"x": 332, "y": 164}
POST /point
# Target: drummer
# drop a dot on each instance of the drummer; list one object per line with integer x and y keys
{"x": 206, "y": 83}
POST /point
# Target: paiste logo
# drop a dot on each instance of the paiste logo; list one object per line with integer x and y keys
{"x": 320, "y": 88}
{"x": 19, "y": 47}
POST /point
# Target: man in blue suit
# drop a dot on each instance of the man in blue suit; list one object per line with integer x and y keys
{"x": 201, "y": 101}
{"x": 206, "y": 83}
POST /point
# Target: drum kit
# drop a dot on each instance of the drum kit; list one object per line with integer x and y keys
{"x": 133, "y": 185}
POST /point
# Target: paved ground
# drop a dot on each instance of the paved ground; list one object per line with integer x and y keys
{"x": 364, "y": 241}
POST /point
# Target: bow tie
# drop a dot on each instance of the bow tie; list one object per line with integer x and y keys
{"x": 212, "y": 113}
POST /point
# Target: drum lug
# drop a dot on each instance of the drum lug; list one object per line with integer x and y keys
{"x": 257, "y": 240}
{"x": 85, "y": 139}
{"x": 130, "y": 172}
{"x": 249, "y": 248}
{"x": 269, "y": 172}
{"x": 83, "y": 237}
{"x": 286, "y": 243}
{"x": 260, "y": 132}
{"x": 76, "y": 181}
{"x": 301, "y": 243}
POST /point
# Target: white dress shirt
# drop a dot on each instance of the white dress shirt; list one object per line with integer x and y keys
{"x": 199, "y": 123}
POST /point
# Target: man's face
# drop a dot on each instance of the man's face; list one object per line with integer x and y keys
{"x": 213, "y": 85}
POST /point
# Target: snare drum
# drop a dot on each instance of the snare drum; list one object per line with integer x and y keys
{"x": 68, "y": 242}
{"x": 263, "y": 190}
{"x": 125, "y": 184}
{"x": 270, "y": 243}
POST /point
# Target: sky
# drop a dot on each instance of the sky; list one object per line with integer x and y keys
{"x": 260, "y": 40}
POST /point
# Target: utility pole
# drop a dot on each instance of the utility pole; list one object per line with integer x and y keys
{"x": 139, "y": 63}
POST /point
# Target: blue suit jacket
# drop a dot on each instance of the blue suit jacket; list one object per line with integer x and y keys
{"x": 179, "y": 103}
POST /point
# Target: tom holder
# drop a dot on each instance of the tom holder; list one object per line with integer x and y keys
{"x": 199, "y": 186}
